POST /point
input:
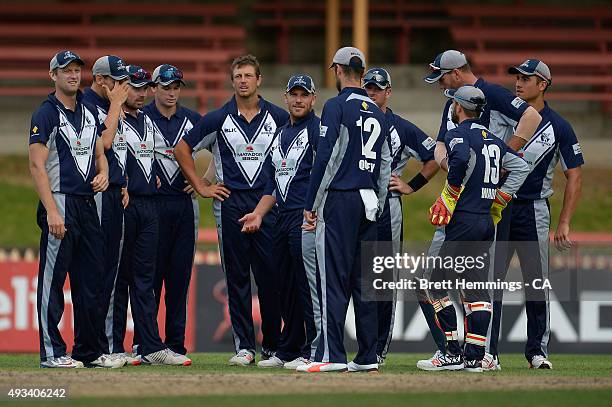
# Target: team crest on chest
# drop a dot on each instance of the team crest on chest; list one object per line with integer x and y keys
{"x": 287, "y": 163}
{"x": 142, "y": 146}
{"x": 249, "y": 154}
{"x": 164, "y": 150}
{"x": 82, "y": 143}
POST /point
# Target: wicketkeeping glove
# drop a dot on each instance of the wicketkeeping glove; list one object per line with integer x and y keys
{"x": 441, "y": 211}
{"x": 499, "y": 203}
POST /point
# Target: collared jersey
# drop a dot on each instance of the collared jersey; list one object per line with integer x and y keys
{"x": 168, "y": 132}
{"x": 116, "y": 155}
{"x": 475, "y": 160}
{"x": 71, "y": 139}
{"x": 407, "y": 141}
{"x": 240, "y": 148}
{"x": 501, "y": 114}
{"x": 139, "y": 133}
{"x": 290, "y": 162}
{"x": 352, "y": 149}
{"x": 554, "y": 140}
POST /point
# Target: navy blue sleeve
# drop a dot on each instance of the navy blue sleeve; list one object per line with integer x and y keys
{"x": 204, "y": 133}
{"x": 43, "y": 122}
{"x": 458, "y": 148}
{"x": 331, "y": 118}
{"x": 314, "y": 129}
{"x": 446, "y": 123}
{"x": 417, "y": 141}
{"x": 505, "y": 102}
{"x": 571, "y": 153}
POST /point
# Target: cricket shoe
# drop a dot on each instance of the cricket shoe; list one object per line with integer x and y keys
{"x": 446, "y": 362}
{"x": 433, "y": 363}
{"x": 473, "y": 366}
{"x": 354, "y": 367}
{"x": 266, "y": 354}
{"x": 321, "y": 367}
{"x": 380, "y": 360}
{"x": 271, "y": 362}
{"x": 166, "y": 357}
{"x": 295, "y": 363}
{"x": 242, "y": 358}
{"x": 490, "y": 363}
{"x": 540, "y": 362}
{"x": 63, "y": 362}
{"x": 132, "y": 358}
{"x": 107, "y": 362}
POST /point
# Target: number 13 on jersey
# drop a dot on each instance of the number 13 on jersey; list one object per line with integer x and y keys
{"x": 372, "y": 126}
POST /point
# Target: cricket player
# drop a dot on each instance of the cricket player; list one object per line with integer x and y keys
{"x": 68, "y": 167}
{"x": 107, "y": 93}
{"x": 347, "y": 191}
{"x": 473, "y": 186}
{"x": 138, "y": 259}
{"x": 177, "y": 208}
{"x": 240, "y": 135}
{"x": 553, "y": 141}
{"x": 506, "y": 115}
{"x": 407, "y": 141}
{"x": 289, "y": 164}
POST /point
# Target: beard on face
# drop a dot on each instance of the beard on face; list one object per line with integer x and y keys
{"x": 454, "y": 115}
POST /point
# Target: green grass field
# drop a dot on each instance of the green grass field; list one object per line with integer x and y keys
{"x": 18, "y": 206}
{"x": 575, "y": 380}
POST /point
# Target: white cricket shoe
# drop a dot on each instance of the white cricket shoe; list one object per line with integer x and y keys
{"x": 242, "y": 358}
{"x": 540, "y": 362}
{"x": 354, "y": 367}
{"x": 271, "y": 362}
{"x": 107, "y": 361}
{"x": 295, "y": 363}
{"x": 63, "y": 362}
{"x": 166, "y": 357}
{"x": 317, "y": 367}
{"x": 131, "y": 358}
{"x": 433, "y": 363}
{"x": 490, "y": 363}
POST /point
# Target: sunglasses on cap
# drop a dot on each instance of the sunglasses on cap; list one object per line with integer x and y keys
{"x": 376, "y": 77}
{"x": 140, "y": 75}
{"x": 171, "y": 73}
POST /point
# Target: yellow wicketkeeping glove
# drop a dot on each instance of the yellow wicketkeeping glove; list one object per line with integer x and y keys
{"x": 499, "y": 203}
{"x": 442, "y": 210}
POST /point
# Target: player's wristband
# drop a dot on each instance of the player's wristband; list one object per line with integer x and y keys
{"x": 417, "y": 182}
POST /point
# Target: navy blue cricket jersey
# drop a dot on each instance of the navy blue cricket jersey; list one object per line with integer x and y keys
{"x": 501, "y": 114}
{"x": 407, "y": 141}
{"x": 290, "y": 162}
{"x": 116, "y": 155}
{"x": 168, "y": 132}
{"x": 475, "y": 160}
{"x": 239, "y": 147}
{"x": 71, "y": 139}
{"x": 554, "y": 140}
{"x": 139, "y": 133}
{"x": 353, "y": 145}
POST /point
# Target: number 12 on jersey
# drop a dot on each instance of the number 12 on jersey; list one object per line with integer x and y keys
{"x": 372, "y": 126}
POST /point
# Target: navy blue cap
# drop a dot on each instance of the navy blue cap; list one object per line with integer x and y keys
{"x": 302, "y": 81}
{"x": 378, "y": 76}
{"x": 444, "y": 63}
{"x": 166, "y": 74}
{"x": 532, "y": 67}
{"x": 468, "y": 96}
{"x": 139, "y": 77}
{"x": 63, "y": 58}
{"x": 110, "y": 65}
